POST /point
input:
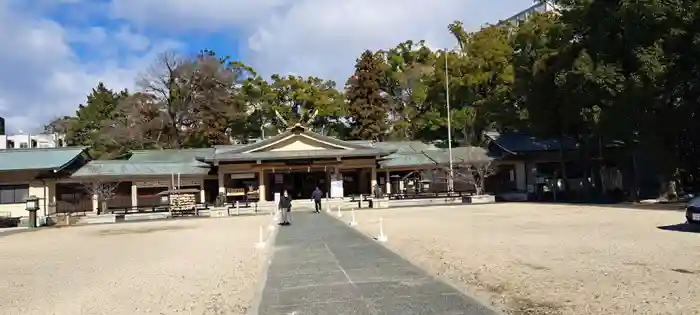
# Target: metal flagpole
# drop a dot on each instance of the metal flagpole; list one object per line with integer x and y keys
{"x": 450, "y": 181}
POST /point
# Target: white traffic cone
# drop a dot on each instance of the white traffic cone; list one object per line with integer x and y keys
{"x": 382, "y": 237}
{"x": 261, "y": 239}
{"x": 353, "y": 222}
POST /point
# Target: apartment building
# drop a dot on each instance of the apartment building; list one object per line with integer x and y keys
{"x": 544, "y": 6}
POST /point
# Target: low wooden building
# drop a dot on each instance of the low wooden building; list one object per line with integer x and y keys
{"x": 297, "y": 160}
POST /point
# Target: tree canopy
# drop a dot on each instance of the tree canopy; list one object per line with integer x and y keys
{"x": 600, "y": 72}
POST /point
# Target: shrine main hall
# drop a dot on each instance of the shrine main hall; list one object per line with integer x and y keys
{"x": 296, "y": 160}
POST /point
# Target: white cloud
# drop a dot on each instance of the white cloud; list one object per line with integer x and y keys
{"x": 132, "y": 40}
{"x": 318, "y": 37}
{"x": 185, "y": 15}
{"x": 42, "y": 76}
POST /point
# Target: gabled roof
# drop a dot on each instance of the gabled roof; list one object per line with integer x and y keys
{"x": 135, "y": 168}
{"x": 256, "y": 151}
{"x": 300, "y": 131}
{"x": 44, "y": 159}
{"x": 519, "y": 143}
{"x": 287, "y": 155}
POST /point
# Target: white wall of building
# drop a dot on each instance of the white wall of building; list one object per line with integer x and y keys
{"x": 27, "y": 141}
{"x": 545, "y": 6}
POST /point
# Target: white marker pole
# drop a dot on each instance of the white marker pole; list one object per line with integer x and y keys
{"x": 340, "y": 214}
{"x": 272, "y": 220}
{"x": 382, "y": 237}
{"x": 353, "y": 222}
{"x": 238, "y": 208}
{"x": 261, "y": 241}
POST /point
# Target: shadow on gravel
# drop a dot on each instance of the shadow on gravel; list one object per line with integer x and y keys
{"x": 145, "y": 230}
{"x": 683, "y": 227}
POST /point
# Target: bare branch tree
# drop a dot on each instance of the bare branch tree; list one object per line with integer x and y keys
{"x": 164, "y": 82}
{"x": 104, "y": 191}
{"x": 471, "y": 165}
{"x": 479, "y": 171}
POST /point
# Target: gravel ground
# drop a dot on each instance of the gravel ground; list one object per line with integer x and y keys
{"x": 552, "y": 259}
{"x": 195, "y": 266}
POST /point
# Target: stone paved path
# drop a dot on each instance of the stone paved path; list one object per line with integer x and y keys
{"x": 321, "y": 266}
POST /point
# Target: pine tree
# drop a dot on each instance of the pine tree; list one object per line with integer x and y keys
{"x": 367, "y": 106}
{"x": 89, "y": 123}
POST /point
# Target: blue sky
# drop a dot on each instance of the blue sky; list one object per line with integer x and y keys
{"x": 52, "y": 52}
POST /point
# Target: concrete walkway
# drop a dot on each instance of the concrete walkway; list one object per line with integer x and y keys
{"x": 321, "y": 266}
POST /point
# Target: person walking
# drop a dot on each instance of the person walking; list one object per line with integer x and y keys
{"x": 284, "y": 208}
{"x": 316, "y": 196}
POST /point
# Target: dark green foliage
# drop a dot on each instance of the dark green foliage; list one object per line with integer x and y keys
{"x": 367, "y": 108}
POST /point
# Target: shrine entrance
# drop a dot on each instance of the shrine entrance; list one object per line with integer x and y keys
{"x": 299, "y": 183}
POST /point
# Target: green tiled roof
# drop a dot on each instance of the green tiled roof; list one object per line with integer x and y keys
{"x": 134, "y": 168}
{"x": 409, "y": 158}
{"x": 169, "y": 155}
{"x": 38, "y": 158}
{"x": 405, "y": 159}
{"x": 218, "y": 149}
{"x": 404, "y": 146}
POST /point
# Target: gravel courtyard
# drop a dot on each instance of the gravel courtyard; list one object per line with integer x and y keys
{"x": 551, "y": 259}
{"x": 189, "y": 266}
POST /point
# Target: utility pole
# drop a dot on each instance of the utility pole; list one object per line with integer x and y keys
{"x": 450, "y": 181}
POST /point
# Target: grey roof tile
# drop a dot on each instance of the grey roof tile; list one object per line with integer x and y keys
{"x": 134, "y": 168}
{"x": 169, "y": 155}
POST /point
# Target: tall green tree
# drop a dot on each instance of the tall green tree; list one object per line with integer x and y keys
{"x": 91, "y": 119}
{"x": 367, "y": 107}
{"x": 296, "y": 98}
{"x": 407, "y": 74}
{"x": 481, "y": 77}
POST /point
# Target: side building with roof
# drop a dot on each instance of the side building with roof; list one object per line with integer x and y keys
{"x": 297, "y": 160}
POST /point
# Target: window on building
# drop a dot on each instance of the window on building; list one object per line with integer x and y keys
{"x": 23, "y": 145}
{"x": 13, "y": 193}
{"x": 34, "y": 144}
{"x": 10, "y": 144}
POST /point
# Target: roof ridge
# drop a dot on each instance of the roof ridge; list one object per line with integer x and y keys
{"x": 81, "y": 148}
{"x": 139, "y": 162}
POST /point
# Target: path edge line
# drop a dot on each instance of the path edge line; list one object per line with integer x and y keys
{"x": 485, "y": 303}
{"x": 264, "y": 269}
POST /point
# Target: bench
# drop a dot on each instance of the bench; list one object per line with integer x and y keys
{"x": 360, "y": 199}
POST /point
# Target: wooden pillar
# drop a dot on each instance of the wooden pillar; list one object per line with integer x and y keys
{"x": 95, "y": 203}
{"x": 202, "y": 192}
{"x": 50, "y": 197}
{"x": 134, "y": 196}
{"x": 387, "y": 182}
{"x": 373, "y": 182}
{"x": 222, "y": 187}
{"x": 336, "y": 174}
{"x": 262, "y": 192}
